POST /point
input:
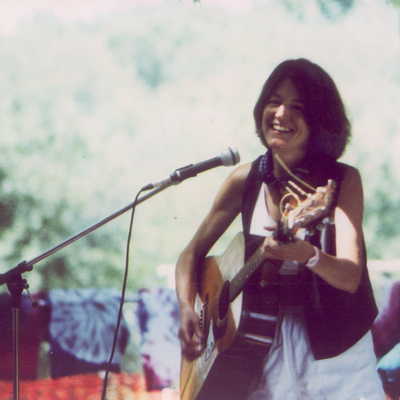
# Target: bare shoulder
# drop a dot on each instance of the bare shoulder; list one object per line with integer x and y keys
{"x": 351, "y": 181}
{"x": 239, "y": 175}
{"x": 229, "y": 196}
{"x": 352, "y": 173}
{"x": 350, "y": 198}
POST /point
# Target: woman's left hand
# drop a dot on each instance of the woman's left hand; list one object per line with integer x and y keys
{"x": 299, "y": 250}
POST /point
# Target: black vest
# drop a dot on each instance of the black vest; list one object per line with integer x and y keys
{"x": 335, "y": 319}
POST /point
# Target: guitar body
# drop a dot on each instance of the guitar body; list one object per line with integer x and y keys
{"x": 239, "y": 331}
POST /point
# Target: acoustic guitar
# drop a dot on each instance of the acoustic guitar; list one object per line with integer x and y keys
{"x": 239, "y": 325}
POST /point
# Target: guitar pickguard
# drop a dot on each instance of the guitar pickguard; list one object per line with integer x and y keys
{"x": 210, "y": 343}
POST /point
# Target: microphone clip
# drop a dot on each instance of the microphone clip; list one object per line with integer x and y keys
{"x": 228, "y": 157}
{"x": 183, "y": 173}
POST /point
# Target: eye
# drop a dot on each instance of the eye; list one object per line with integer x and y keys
{"x": 298, "y": 107}
{"x": 274, "y": 102}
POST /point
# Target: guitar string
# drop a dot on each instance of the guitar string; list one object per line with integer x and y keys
{"x": 241, "y": 277}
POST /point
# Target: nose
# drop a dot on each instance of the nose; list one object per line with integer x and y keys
{"x": 282, "y": 112}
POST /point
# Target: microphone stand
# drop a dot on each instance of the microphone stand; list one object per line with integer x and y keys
{"x": 16, "y": 284}
{"x": 15, "y": 288}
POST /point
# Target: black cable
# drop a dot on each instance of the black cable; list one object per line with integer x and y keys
{"x": 103, "y": 396}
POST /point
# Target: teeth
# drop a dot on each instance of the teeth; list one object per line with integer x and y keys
{"x": 281, "y": 128}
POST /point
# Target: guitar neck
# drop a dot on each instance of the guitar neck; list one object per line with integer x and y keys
{"x": 238, "y": 282}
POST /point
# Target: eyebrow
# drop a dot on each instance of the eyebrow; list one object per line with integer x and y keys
{"x": 280, "y": 97}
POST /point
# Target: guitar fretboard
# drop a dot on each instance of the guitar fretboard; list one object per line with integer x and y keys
{"x": 245, "y": 273}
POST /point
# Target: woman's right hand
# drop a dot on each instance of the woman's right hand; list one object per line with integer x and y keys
{"x": 190, "y": 333}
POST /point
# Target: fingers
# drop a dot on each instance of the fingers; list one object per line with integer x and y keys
{"x": 272, "y": 246}
{"x": 270, "y": 228}
{"x": 294, "y": 251}
{"x": 192, "y": 349}
{"x": 191, "y": 336}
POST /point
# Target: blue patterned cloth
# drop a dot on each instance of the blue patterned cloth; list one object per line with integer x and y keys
{"x": 158, "y": 316}
{"x": 81, "y": 331}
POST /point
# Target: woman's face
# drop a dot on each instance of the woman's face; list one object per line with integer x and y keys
{"x": 284, "y": 127}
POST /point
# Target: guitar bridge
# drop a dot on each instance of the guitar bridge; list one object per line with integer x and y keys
{"x": 204, "y": 316}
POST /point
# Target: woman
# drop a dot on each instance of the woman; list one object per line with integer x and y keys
{"x": 325, "y": 316}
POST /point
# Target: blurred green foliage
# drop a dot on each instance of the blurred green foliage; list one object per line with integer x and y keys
{"x": 93, "y": 110}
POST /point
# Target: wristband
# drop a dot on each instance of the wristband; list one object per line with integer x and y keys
{"x": 312, "y": 261}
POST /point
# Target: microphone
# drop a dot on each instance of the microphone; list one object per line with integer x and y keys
{"x": 228, "y": 157}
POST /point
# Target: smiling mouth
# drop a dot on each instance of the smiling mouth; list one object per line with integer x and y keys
{"x": 281, "y": 129}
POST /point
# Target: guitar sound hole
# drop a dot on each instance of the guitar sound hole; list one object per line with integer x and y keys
{"x": 224, "y": 302}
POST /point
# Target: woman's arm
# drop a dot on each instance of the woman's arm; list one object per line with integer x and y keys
{"x": 227, "y": 205}
{"x": 344, "y": 270}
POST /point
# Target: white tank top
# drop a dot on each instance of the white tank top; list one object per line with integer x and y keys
{"x": 261, "y": 219}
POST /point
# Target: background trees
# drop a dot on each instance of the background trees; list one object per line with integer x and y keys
{"x": 94, "y": 108}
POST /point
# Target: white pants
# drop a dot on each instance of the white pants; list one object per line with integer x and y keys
{"x": 291, "y": 372}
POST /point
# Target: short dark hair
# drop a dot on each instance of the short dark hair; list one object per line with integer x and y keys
{"x": 324, "y": 110}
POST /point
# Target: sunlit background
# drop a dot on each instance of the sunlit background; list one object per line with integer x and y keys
{"x": 100, "y": 97}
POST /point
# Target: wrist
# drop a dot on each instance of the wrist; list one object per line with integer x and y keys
{"x": 185, "y": 305}
{"x": 313, "y": 260}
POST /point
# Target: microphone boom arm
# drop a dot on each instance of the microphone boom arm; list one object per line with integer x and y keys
{"x": 95, "y": 226}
